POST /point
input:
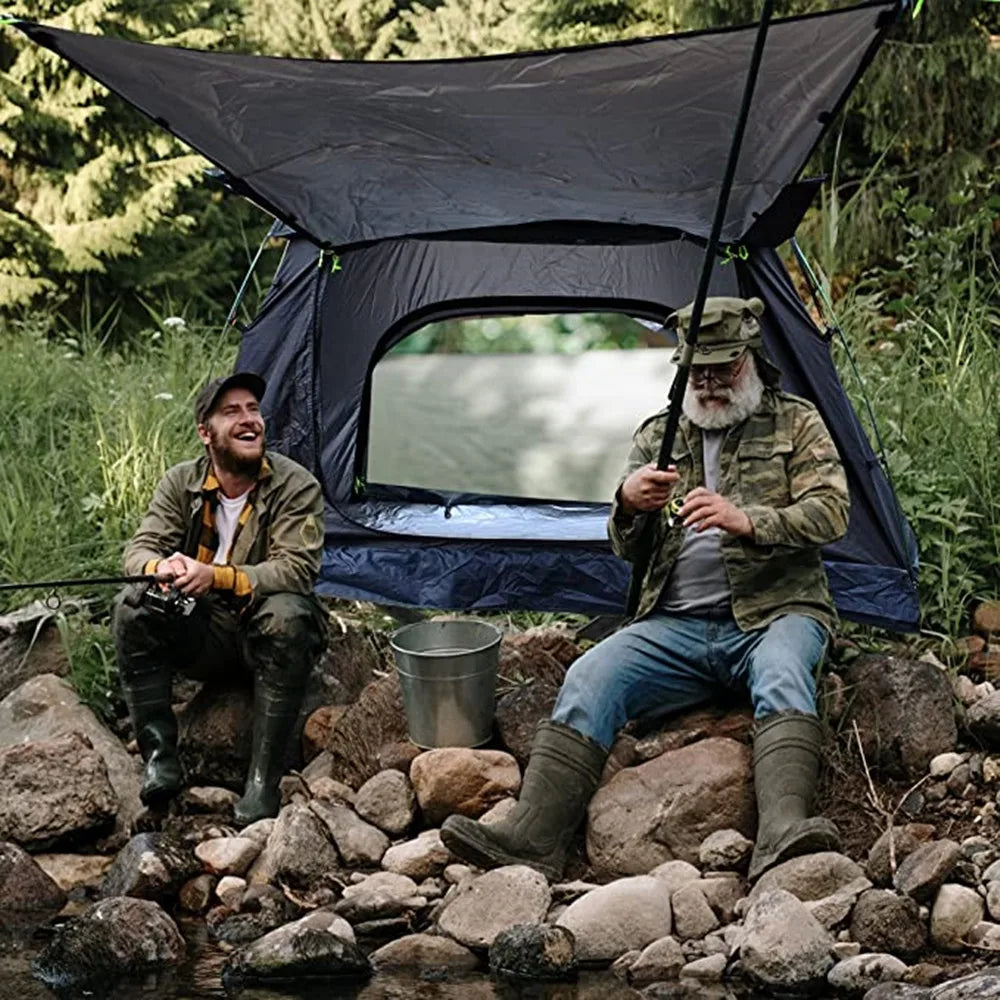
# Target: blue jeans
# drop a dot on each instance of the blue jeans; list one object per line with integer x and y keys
{"x": 666, "y": 663}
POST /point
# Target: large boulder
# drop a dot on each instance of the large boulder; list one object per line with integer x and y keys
{"x": 216, "y": 734}
{"x": 46, "y": 707}
{"x": 54, "y": 792}
{"x": 375, "y": 719}
{"x": 30, "y": 645}
{"x": 665, "y": 808}
{"x": 111, "y": 939}
{"x": 904, "y": 713}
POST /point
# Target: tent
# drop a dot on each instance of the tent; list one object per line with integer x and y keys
{"x": 552, "y": 182}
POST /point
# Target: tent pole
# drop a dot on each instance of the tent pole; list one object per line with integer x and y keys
{"x": 644, "y": 549}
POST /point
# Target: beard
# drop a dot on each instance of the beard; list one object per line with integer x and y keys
{"x": 719, "y": 408}
{"x": 228, "y": 460}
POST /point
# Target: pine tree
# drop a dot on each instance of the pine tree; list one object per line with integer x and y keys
{"x": 94, "y": 199}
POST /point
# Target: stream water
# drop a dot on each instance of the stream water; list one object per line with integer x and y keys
{"x": 199, "y": 979}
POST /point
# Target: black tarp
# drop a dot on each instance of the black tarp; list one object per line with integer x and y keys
{"x": 556, "y": 181}
{"x": 634, "y": 132}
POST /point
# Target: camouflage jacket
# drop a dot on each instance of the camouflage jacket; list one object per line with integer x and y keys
{"x": 279, "y": 548}
{"x": 781, "y": 468}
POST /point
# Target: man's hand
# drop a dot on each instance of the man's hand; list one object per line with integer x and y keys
{"x": 648, "y": 488}
{"x": 704, "y": 509}
{"x": 190, "y": 576}
{"x": 171, "y": 568}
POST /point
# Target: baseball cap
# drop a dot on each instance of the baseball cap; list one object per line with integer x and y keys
{"x": 209, "y": 395}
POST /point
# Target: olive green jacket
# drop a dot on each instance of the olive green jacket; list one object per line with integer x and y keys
{"x": 279, "y": 548}
{"x": 781, "y": 468}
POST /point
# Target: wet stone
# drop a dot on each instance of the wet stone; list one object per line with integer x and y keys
{"x": 151, "y": 866}
{"x": 533, "y": 952}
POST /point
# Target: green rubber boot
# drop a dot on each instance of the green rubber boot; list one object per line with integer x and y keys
{"x": 562, "y": 774}
{"x": 148, "y": 698}
{"x": 786, "y": 754}
{"x": 275, "y": 709}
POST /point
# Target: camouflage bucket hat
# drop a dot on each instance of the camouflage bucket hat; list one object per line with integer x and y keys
{"x": 728, "y": 327}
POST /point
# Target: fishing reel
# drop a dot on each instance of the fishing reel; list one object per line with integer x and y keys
{"x": 168, "y": 602}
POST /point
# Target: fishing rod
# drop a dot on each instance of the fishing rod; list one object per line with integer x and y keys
{"x": 169, "y": 601}
{"x": 647, "y": 532}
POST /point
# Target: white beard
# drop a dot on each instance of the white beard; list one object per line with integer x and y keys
{"x": 741, "y": 400}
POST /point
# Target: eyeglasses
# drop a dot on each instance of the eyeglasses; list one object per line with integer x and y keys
{"x": 721, "y": 375}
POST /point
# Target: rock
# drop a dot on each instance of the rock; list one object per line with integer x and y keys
{"x": 885, "y": 922}
{"x": 228, "y": 855}
{"x": 230, "y": 891}
{"x": 354, "y": 651}
{"x": 845, "y": 949}
{"x": 380, "y": 896}
{"x": 518, "y": 713}
{"x": 722, "y": 893}
{"x": 298, "y": 851}
{"x": 834, "y": 909}
{"x": 111, "y": 939}
{"x": 151, "y": 866}
{"x": 812, "y": 876}
{"x": 320, "y": 944}
{"x": 674, "y": 874}
{"x": 958, "y": 780}
{"x": 24, "y": 885}
{"x": 498, "y": 812}
{"x": 925, "y": 869}
{"x": 992, "y": 899}
{"x": 659, "y": 961}
{"x": 331, "y": 790}
{"x": 943, "y": 764}
{"x": 964, "y": 689}
{"x": 464, "y": 781}
{"x": 725, "y": 850}
{"x": 985, "y": 935}
{"x": 533, "y": 952}
{"x": 424, "y": 952}
{"x": 897, "y": 991}
{"x": 856, "y": 975}
{"x": 358, "y": 842}
{"x": 317, "y": 729}
{"x": 260, "y": 831}
{"x": 541, "y": 654}
{"x": 691, "y": 727}
{"x": 73, "y": 871}
{"x": 904, "y": 841}
{"x": 398, "y": 756}
{"x": 983, "y": 985}
{"x": 888, "y": 694}
{"x": 388, "y": 801}
{"x": 663, "y": 810}
{"x": 693, "y": 917}
{"x": 195, "y": 895}
{"x": 216, "y": 732}
{"x": 986, "y": 617}
{"x": 210, "y": 799}
{"x": 783, "y": 945}
{"x": 374, "y": 719}
{"x": 479, "y": 909}
{"x": 957, "y": 909}
{"x": 453, "y": 874}
{"x": 420, "y": 858}
{"x": 983, "y": 721}
{"x": 259, "y": 915}
{"x": 709, "y": 969}
{"x": 39, "y": 807}
{"x": 47, "y": 707}
{"x": 624, "y": 915}
{"x": 30, "y": 644}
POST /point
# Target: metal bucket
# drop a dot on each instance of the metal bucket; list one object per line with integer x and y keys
{"x": 448, "y": 673}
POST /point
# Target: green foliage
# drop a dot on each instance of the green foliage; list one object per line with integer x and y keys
{"x": 932, "y": 374}
{"x": 94, "y": 200}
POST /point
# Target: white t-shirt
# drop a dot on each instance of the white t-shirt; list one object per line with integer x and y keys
{"x": 227, "y": 515}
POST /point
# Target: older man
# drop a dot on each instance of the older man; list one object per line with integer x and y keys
{"x": 238, "y": 532}
{"x": 735, "y": 600}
